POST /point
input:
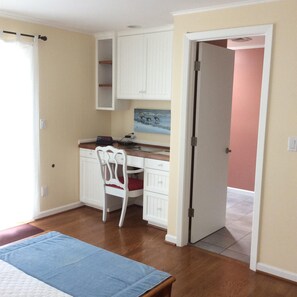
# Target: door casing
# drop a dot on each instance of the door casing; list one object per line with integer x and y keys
{"x": 185, "y": 126}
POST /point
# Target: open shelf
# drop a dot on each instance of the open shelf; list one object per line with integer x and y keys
{"x": 105, "y": 73}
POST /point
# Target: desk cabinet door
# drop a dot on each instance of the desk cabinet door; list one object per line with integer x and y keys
{"x": 155, "y": 208}
{"x": 91, "y": 184}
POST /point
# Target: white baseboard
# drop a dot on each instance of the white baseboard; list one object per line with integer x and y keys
{"x": 170, "y": 238}
{"x": 241, "y": 191}
{"x": 57, "y": 210}
{"x": 277, "y": 272}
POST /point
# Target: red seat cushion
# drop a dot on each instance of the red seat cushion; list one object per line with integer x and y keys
{"x": 133, "y": 184}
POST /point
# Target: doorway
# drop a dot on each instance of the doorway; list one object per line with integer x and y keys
{"x": 185, "y": 161}
{"x": 234, "y": 239}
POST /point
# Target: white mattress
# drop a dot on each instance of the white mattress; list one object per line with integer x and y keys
{"x": 16, "y": 283}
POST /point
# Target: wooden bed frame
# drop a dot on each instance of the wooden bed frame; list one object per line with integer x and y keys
{"x": 162, "y": 290}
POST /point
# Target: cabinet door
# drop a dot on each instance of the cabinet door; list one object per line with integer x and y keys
{"x": 155, "y": 208}
{"x": 131, "y": 67}
{"x": 91, "y": 185}
{"x": 158, "y": 66}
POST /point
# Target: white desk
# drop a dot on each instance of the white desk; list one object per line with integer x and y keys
{"x": 156, "y": 185}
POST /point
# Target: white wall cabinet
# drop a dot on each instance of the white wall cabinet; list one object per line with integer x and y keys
{"x": 155, "y": 197}
{"x": 144, "y": 66}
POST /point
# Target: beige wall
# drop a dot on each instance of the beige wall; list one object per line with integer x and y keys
{"x": 278, "y": 240}
{"x": 67, "y": 102}
{"x": 122, "y": 122}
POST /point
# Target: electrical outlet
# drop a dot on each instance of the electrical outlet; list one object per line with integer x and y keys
{"x": 292, "y": 144}
{"x": 42, "y": 124}
{"x": 44, "y": 191}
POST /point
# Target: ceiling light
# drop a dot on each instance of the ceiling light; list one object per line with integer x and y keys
{"x": 133, "y": 26}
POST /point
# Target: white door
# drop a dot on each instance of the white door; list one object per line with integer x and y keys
{"x": 212, "y": 129}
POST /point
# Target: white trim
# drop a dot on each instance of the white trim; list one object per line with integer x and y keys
{"x": 240, "y": 191}
{"x": 184, "y": 159}
{"x": 170, "y": 238}
{"x": 57, "y": 210}
{"x": 277, "y": 272}
{"x": 261, "y": 144}
{"x": 221, "y": 6}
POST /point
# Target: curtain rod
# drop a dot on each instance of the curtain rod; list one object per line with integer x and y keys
{"x": 44, "y": 38}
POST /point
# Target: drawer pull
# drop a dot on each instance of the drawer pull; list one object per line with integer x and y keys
{"x": 159, "y": 208}
{"x": 160, "y": 182}
{"x": 160, "y": 165}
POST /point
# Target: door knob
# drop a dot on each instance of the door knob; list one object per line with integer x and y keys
{"x": 227, "y": 150}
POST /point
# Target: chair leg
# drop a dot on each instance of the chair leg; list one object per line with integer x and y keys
{"x": 123, "y": 213}
{"x": 104, "y": 211}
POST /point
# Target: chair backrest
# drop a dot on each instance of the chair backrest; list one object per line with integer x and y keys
{"x": 113, "y": 164}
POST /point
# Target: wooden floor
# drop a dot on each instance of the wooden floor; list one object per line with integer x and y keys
{"x": 198, "y": 272}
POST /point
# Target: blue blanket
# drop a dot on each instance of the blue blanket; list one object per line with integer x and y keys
{"x": 81, "y": 269}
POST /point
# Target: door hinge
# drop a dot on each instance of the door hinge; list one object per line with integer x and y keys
{"x": 191, "y": 212}
{"x": 194, "y": 141}
{"x": 197, "y": 66}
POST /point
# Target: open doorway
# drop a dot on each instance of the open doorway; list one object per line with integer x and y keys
{"x": 234, "y": 239}
{"x": 184, "y": 136}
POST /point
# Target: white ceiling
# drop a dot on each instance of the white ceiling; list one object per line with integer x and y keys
{"x": 93, "y": 16}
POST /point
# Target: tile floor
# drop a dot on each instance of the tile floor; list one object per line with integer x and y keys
{"x": 234, "y": 240}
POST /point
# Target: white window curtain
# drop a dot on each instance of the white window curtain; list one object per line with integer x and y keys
{"x": 19, "y": 130}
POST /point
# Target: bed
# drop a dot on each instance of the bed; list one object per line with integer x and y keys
{"x": 63, "y": 266}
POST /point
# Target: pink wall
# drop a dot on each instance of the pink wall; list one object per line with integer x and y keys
{"x": 245, "y": 118}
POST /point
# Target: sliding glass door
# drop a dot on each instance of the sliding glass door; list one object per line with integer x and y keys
{"x": 19, "y": 141}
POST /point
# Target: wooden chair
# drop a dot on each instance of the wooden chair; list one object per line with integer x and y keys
{"x": 114, "y": 172}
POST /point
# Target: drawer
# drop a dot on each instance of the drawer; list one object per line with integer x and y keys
{"x": 156, "y": 181}
{"x": 87, "y": 153}
{"x": 131, "y": 160}
{"x": 156, "y": 164}
{"x": 135, "y": 161}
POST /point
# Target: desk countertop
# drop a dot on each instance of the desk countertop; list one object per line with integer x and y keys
{"x": 133, "y": 152}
